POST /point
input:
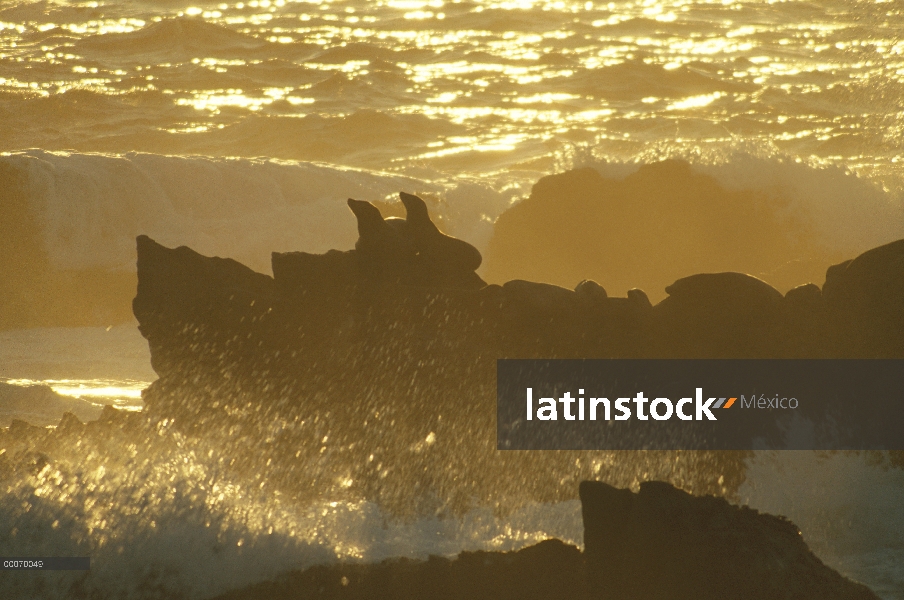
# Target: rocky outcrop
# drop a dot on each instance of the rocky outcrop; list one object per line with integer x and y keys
{"x": 400, "y": 335}
{"x": 408, "y": 295}
{"x": 659, "y": 544}
{"x": 665, "y": 544}
{"x": 199, "y": 311}
{"x": 396, "y": 333}
{"x": 662, "y": 222}
{"x": 550, "y": 570}
{"x": 40, "y": 405}
{"x": 865, "y": 299}
{"x": 407, "y": 291}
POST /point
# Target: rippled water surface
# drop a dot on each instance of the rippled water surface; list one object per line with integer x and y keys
{"x": 488, "y": 89}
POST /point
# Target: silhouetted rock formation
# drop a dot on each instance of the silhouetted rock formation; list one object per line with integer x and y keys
{"x": 550, "y": 570}
{"x": 400, "y": 335}
{"x": 658, "y": 224}
{"x": 409, "y": 292}
{"x": 659, "y": 544}
{"x": 714, "y": 315}
{"x": 664, "y": 544}
{"x": 866, "y": 299}
{"x": 190, "y": 307}
{"x": 40, "y": 405}
{"x": 215, "y": 316}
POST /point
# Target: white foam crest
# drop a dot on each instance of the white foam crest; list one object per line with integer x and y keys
{"x": 848, "y": 213}
{"x": 179, "y": 538}
{"x": 93, "y": 206}
{"x": 471, "y": 209}
{"x": 182, "y": 551}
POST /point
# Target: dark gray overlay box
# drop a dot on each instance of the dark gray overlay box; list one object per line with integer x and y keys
{"x": 829, "y": 404}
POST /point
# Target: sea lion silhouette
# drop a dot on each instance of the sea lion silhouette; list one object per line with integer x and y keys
{"x": 413, "y": 251}
{"x": 444, "y": 251}
{"x": 385, "y": 250}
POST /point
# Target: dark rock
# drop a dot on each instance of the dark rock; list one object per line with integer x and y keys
{"x": 806, "y": 329}
{"x": 591, "y": 290}
{"x": 719, "y": 315}
{"x": 407, "y": 288}
{"x": 22, "y": 430}
{"x": 865, "y": 299}
{"x": 833, "y": 272}
{"x": 664, "y": 544}
{"x": 659, "y": 544}
{"x": 545, "y": 320}
{"x": 222, "y": 336}
{"x": 400, "y": 335}
{"x": 639, "y": 298}
{"x": 40, "y": 405}
{"x": 196, "y": 310}
{"x": 110, "y": 415}
{"x": 69, "y": 425}
{"x": 309, "y": 276}
{"x": 726, "y": 287}
{"x": 7, "y": 469}
{"x": 550, "y": 570}
{"x": 530, "y": 295}
{"x": 647, "y": 229}
{"x": 806, "y": 296}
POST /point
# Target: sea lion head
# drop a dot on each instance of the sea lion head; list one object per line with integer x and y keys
{"x": 435, "y": 247}
{"x": 370, "y": 221}
{"x": 416, "y": 214}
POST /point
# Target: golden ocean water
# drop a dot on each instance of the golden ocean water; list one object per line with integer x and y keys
{"x": 239, "y": 128}
{"x": 497, "y": 91}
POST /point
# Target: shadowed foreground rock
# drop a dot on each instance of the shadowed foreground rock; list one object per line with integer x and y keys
{"x": 659, "y": 544}
{"x": 550, "y": 570}
{"x": 664, "y": 544}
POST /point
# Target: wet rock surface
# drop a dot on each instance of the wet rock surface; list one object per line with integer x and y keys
{"x": 407, "y": 299}
{"x": 401, "y": 335}
{"x": 659, "y": 543}
{"x": 663, "y": 543}
{"x": 549, "y": 570}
